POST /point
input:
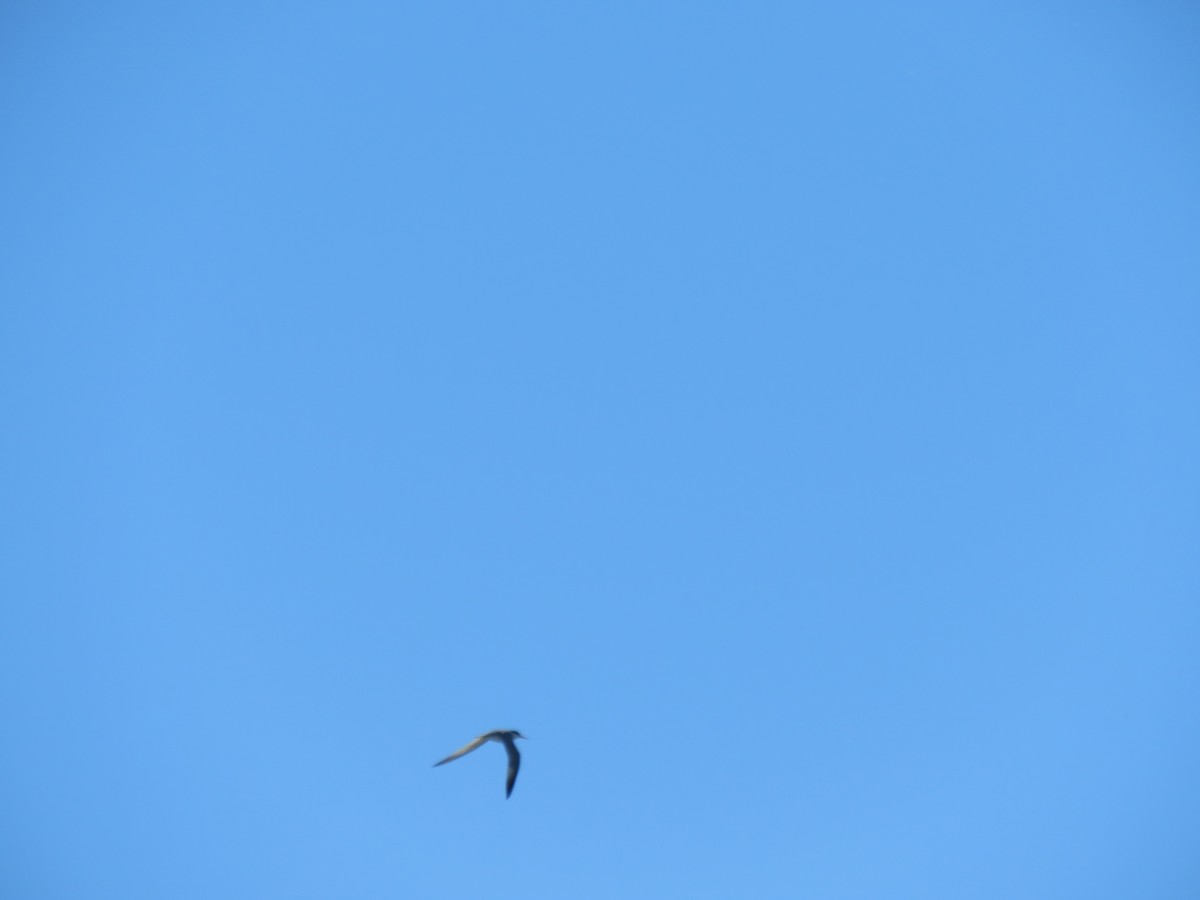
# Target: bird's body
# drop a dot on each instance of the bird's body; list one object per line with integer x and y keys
{"x": 508, "y": 739}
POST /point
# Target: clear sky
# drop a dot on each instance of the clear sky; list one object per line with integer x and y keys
{"x": 785, "y": 414}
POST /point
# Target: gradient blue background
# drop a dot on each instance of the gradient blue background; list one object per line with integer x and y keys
{"x": 785, "y": 414}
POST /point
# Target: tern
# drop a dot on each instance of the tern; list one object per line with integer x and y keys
{"x": 508, "y": 739}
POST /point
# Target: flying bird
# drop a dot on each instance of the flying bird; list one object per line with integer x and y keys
{"x": 508, "y": 739}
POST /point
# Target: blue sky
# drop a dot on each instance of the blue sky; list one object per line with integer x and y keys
{"x": 784, "y": 414}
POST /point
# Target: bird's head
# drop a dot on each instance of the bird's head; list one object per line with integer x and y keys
{"x": 517, "y": 734}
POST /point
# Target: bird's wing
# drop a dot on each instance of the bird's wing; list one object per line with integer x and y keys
{"x": 463, "y": 751}
{"x": 514, "y": 763}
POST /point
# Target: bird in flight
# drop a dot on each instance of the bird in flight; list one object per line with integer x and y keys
{"x": 508, "y": 739}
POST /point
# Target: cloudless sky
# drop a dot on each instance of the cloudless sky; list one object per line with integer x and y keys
{"x": 785, "y": 414}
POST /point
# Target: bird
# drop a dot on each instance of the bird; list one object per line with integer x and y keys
{"x": 508, "y": 739}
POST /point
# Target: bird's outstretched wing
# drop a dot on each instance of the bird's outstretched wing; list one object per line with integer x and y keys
{"x": 514, "y": 763}
{"x": 463, "y": 751}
